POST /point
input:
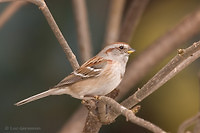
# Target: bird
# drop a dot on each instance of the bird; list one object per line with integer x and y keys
{"x": 97, "y": 76}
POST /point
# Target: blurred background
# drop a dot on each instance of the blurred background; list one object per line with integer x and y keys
{"x": 32, "y": 61}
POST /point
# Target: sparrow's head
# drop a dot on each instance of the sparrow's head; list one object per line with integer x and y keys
{"x": 118, "y": 51}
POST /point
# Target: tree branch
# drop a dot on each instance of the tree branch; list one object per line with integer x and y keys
{"x": 188, "y": 123}
{"x": 132, "y": 18}
{"x": 129, "y": 114}
{"x": 197, "y": 125}
{"x": 114, "y": 21}
{"x": 9, "y": 11}
{"x": 43, "y": 7}
{"x": 82, "y": 29}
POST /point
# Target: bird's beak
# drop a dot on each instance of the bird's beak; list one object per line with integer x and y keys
{"x": 130, "y": 51}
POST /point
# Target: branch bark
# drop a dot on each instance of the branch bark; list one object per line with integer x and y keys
{"x": 82, "y": 29}
{"x": 9, "y": 11}
{"x": 114, "y": 21}
{"x": 43, "y": 7}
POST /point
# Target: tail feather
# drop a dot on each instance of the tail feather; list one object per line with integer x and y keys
{"x": 36, "y": 97}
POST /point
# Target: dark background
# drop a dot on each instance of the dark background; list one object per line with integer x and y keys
{"x": 31, "y": 61}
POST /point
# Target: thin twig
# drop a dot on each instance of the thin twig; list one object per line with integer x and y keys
{"x": 197, "y": 126}
{"x": 188, "y": 123}
{"x": 82, "y": 29}
{"x": 130, "y": 115}
{"x": 157, "y": 51}
{"x": 43, "y": 7}
{"x": 132, "y": 18}
{"x": 9, "y": 11}
{"x": 114, "y": 21}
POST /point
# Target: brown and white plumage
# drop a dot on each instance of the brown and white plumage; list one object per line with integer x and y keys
{"x": 98, "y": 76}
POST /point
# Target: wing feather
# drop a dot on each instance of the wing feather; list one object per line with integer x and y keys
{"x": 90, "y": 69}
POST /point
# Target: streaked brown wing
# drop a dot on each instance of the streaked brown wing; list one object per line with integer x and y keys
{"x": 87, "y": 70}
{"x": 69, "y": 80}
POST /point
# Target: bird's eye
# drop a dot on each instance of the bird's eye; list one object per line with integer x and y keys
{"x": 121, "y": 47}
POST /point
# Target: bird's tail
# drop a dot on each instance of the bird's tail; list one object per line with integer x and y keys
{"x": 36, "y": 97}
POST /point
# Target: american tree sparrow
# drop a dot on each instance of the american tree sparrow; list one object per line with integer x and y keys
{"x": 98, "y": 76}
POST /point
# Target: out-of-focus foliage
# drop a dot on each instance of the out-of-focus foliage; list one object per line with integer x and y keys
{"x": 32, "y": 61}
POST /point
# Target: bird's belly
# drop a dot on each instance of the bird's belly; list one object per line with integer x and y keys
{"x": 95, "y": 86}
